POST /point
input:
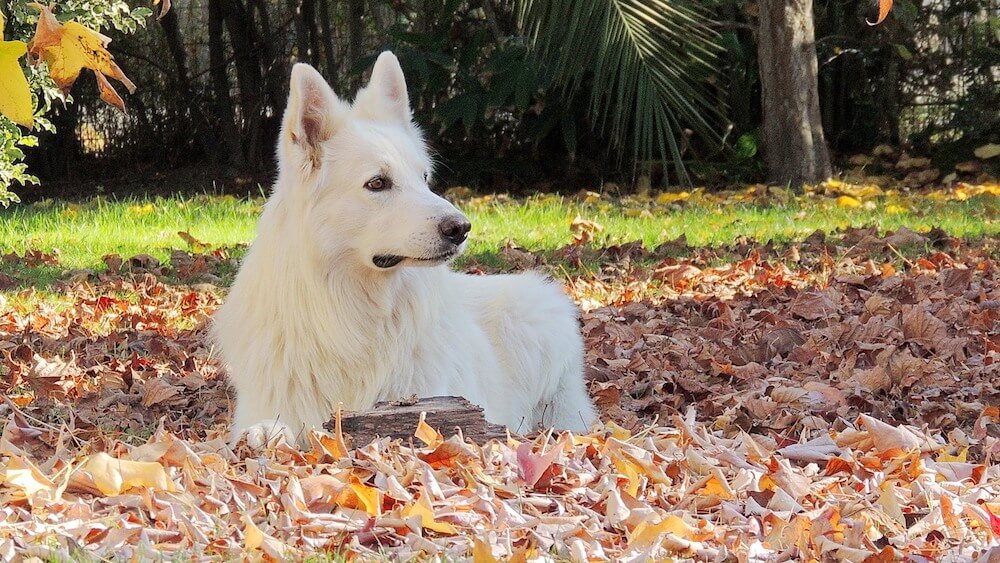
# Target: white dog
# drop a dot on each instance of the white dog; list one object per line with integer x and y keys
{"x": 346, "y": 296}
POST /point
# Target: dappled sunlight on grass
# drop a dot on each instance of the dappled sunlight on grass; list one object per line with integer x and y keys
{"x": 80, "y": 234}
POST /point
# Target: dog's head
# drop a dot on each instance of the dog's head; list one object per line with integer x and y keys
{"x": 361, "y": 172}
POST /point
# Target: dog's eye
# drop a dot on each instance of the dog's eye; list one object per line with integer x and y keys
{"x": 377, "y": 184}
{"x": 427, "y": 176}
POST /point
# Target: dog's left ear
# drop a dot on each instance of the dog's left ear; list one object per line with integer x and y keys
{"x": 385, "y": 97}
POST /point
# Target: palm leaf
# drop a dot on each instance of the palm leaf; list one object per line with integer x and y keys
{"x": 646, "y": 63}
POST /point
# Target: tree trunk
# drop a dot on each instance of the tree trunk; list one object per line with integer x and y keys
{"x": 229, "y": 147}
{"x": 175, "y": 45}
{"x": 326, "y": 31}
{"x": 246, "y": 56}
{"x": 301, "y": 31}
{"x": 355, "y": 13}
{"x": 794, "y": 148}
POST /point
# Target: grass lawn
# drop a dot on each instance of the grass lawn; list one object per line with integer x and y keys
{"x": 81, "y": 233}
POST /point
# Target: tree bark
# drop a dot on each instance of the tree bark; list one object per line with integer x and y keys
{"x": 249, "y": 77}
{"x": 398, "y": 420}
{"x": 175, "y": 45}
{"x": 794, "y": 147}
{"x": 355, "y": 13}
{"x": 229, "y": 146}
{"x": 326, "y": 31}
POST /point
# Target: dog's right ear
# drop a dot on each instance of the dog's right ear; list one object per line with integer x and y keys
{"x": 313, "y": 114}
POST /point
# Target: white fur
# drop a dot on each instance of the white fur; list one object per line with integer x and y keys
{"x": 311, "y": 321}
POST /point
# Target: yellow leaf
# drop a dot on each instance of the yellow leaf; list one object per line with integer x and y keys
{"x": 253, "y": 538}
{"x": 23, "y": 474}
{"x": 715, "y": 488}
{"x": 960, "y": 458}
{"x": 481, "y": 552}
{"x": 893, "y": 209}
{"x": 632, "y": 473}
{"x": 369, "y": 497}
{"x": 69, "y": 48}
{"x": 616, "y": 431}
{"x": 671, "y": 197}
{"x": 645, "y": 534}
{"x": 848, "y": 202}
{"x": 15, "y": 95}
{"x": 114, "y": 476}
{"x": 422, "y": 508}
{"x": 889, "y": 502}
{"x": 427, "y": 434}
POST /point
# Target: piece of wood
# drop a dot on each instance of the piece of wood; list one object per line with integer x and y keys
{"x": 399, "y": 419}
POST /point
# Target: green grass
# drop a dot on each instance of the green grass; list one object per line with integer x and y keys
{"x": 83, "y": 233}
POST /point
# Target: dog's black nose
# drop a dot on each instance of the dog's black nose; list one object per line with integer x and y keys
{"x": 455, "y": 229}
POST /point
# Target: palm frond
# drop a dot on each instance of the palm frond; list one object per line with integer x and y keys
{"x": 646, "y": 63}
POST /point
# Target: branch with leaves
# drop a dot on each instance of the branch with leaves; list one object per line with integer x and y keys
{"x": 56, "y": 55}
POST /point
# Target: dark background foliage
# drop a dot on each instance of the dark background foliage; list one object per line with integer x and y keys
{"x": 212, "y": 79}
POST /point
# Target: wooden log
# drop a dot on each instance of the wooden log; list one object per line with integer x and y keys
{"x": 399, "y": 419}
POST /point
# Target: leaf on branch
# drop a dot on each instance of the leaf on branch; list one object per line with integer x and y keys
{"x": 883, "y": 10}
{"x": 108, "y": 92}
{"x": 69, "y": 48}
{"x": 15, "y": 95}
{"x": 164, "y": 7}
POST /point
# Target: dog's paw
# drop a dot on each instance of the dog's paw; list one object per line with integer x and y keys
{"x": 266, "y": 433}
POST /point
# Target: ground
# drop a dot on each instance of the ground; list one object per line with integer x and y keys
{"x": 779, "y": 375}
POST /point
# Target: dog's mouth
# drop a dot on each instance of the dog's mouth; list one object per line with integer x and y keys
{"x": 389, "y": 260}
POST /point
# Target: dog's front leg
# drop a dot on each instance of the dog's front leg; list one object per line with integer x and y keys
{"x": 266, "y": 433}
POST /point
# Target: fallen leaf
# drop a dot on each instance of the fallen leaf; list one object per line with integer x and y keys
{"x": 426, "y": 434}
{"x": 422, "y": 508}
{"x": 158, "y": 391}
{"x": 23, "y": 474}
{"x": 848, "y": 202}
{"x": 114, "y": 476}
{"x": 533, "y": 465}
{"x": 986, "y": 152}
{"x": 481, "y": 552}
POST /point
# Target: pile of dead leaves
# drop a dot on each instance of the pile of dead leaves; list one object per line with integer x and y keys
{"x": 861, "y": 491}
{"x": 760, "y": 346}
{"x": 832, "y": 399}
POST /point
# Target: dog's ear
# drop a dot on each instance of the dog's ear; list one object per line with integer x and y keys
{"x": 313, "y": 114}
{"x": 385, "y": 97}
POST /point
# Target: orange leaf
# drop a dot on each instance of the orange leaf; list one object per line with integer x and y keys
{"x": 164, "y": 7}
{"x": 108, "y": 92}
{"x": 994, "y": 521}
{"x": 447, "y": 454}
{"x": 883, "y": 10}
